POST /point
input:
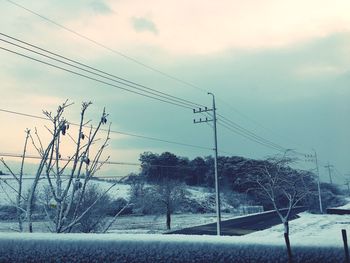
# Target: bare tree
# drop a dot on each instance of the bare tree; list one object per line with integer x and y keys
{"x": 68, "y": 177}
{"x": 170, "y": 194}
{"x": 19, "y": 179}
{"x": 283, "y": 186}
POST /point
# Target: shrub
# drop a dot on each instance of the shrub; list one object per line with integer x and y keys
{"x": 8, "y": 212}
{"x": 117, "y": 205}
{"x": 94, "y": 219}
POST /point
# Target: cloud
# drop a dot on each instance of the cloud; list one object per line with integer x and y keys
{"x": 142, "y": 24}
{"x": 100, "y": 7}
{"x": 187, "y": 27}
{"x": 81, "y": 6}
{"x": 282, "y": 62}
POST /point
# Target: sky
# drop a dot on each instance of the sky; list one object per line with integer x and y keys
{"x": 277, "y": 68}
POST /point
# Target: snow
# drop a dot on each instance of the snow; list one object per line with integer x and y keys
{"x": 8, "y": 195}
{"x": 118, "y": 191}
{"x": 309, "y": 229}
{"x": 313, "y": 237}
{"x": 347, "y": 206}
{"x": 36, "y": 247}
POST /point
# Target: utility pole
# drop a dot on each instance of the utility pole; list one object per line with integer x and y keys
{"x": 328, "y": 166}
{"x": 217, "y": 192}
{"x": 347, "y": 182}
{"x": 313, "y": 158}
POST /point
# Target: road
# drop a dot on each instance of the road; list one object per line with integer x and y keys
{"x": 240, "y": 226}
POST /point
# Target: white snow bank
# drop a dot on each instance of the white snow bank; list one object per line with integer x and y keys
{"x": 19, "y": 247}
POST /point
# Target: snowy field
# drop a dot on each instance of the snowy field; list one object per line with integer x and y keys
{"x": 147, "y": 224}
{"x": 309, "y": 229}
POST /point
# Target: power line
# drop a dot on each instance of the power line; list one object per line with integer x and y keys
{"x": 62, "y": 159}
{"x": 248, "y": 133}
{"x": 249, "y": 138}
{"x": 12, "y": 155}
{"x": 238, "y": 129}
{"x": 115, "y": 51}
{"x": 106, "y": 47}
{"x": 339, "y": 173}
{"x": 140, "y": 136}
{"x": 108, "y": 76}
{"x": 113, "y": 131}
{"x": 92, "y": 78}
{"x": 230, "y": 107}
{"x": 234, "y": 127}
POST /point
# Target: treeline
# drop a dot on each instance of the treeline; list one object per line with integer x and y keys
{"x": 194, "y": 172}
{"x": 236, "y": 174}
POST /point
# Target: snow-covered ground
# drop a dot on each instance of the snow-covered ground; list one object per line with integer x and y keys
{"x": 146, "y": 224}
{"x": 314, "y": 238}
{"x": 309, "y": 229}
{"x": 346, "y": 206}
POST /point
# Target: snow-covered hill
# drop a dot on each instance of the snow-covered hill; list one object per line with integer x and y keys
{"x": 9, "y": 187}
{"x": 203, "y": 196}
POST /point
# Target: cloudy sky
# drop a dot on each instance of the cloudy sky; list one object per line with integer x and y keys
{"x": 280, "y": 69}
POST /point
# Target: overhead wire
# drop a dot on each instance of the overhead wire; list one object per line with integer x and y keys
{"x": 249, "y": 138}
{"x": 93, "y": 78}
{"x": 247, "y": 132}
{"x": 112, "y": 131}
{"x": 108, "y": 76}
{"x": 245, "y": 116}
{"x": 127, "y": 57}
{"x": 35, "y": 157}
{"x": 237, "y": 129}
{"x": 105, "y": 47}
{"x": 233, "y": 127}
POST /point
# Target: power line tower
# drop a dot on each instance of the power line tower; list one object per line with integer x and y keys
{"x": 313, "y": 158}
{"x": 217, "y": 190}
{"x": 329, "y": 167}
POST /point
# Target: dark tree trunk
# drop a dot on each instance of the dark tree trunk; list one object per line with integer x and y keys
{"x": 168, "y": 219}
{"x": 286, "y": 227}
{"x": 289, "y": 250}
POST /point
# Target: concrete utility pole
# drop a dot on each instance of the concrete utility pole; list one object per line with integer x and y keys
{"x": 217, "y": 190}
{"x": 318, "y": 183}
{"x": 328, "y": 166}
{"x": 313, "y": 158}
{"x": 347, "y": 182}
